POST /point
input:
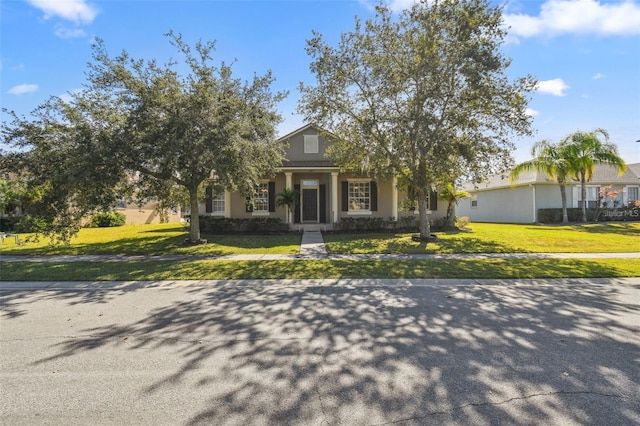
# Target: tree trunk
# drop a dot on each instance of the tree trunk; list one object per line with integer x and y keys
{"x": 451, "y": 216}
{"x": 194, "y": 229}
{"x": 583, "y": 190}
{"x": 563, "y": 196}
{"x": 425, "y": 228}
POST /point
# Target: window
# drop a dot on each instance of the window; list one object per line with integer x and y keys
{"x": 310, "y": 144}
{"x": 632, "y": 195}
{"x": 474, "y": 203}
{"x": 261, "y": 198}
{"x": 593, "y": 193}
{"x": 359, "y": 196}
{"x": 215, "y": 202}
{"x": 120, "y": 202}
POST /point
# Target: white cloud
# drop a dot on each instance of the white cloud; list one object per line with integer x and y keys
{"x": 555, "y": 87}
{"x": 22, "y": 89}
{"x": 598, "y": 76}
{"x": 77, "y": 11}
{"x": 64, "y": 32}
{"x": 69, "y": 96}
{"x": 559, "y": 17}
{"x": 532, "y": 112}
{"x": 400, "y": 5}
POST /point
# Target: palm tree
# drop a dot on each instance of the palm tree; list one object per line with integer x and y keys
{"x": 551, "y": 159}
{"x": 452, "y": 197}
{"x": 585, "y": 150}
{"x": 288, "y": 198}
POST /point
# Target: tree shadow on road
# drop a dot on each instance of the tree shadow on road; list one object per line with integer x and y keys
{"x": 353, "y": 353}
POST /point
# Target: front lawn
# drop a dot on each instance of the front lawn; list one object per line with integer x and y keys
{"x": 500, "y": 238}
{"x": 155, "y": 240}
{"x": 128, "y": 270}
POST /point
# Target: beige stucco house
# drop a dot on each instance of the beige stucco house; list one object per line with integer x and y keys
{"x": 499, "y": 200}
{"x": 327, "y": 194}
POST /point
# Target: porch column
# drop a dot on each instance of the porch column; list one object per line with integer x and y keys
{"x": 334, "y": 197}
{"x": 227, "y": 204}
{"x": 287, "y": 177}
{"x": 288, "y": 185}
{"x": 394, "y": 198}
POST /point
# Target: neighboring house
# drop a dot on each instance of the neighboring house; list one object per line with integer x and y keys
{"x": 326, "y": 193}
{"x": 498, "y": 200}
{"x": 149, "y": 212}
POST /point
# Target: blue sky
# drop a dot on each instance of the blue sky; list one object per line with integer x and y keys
{"x": 586, "y": 53}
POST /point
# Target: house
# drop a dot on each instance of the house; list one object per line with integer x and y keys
{"x": 327, "y": 194}
{"x": 500, "y": 200}
{"x": 149, "y": 212}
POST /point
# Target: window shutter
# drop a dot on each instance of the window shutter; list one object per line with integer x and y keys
{"x": 272, "y": 196}
{"x": 209, "y": 199}
{"x": 345, "y": 196}
{"x": 433, "y": 201}
{"x": 374, "y": 196}
{"x": 296, "y": 215}
{"x": 249, "y": 205}
{"x": 323, "y": 203}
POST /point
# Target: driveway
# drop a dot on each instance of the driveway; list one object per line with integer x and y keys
{"x": 321, "y": 352}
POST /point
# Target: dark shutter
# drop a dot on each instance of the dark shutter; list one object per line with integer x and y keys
{"x": 249, "y": 205}
{"x": 209, "y": 199}
{"x": 323, "y": 203}
{"x": 433, "y": 201}
{"x": 272, "y": 196}
{"x": 297, "y": 207}
{"x": 345, "y": 196}
{"x": 374, "y": 196}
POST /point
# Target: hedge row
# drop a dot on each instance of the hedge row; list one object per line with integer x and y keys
{"x": 604, "y": 215}
{"x": 255, "y": 225}
{"x": 365, "y": 224}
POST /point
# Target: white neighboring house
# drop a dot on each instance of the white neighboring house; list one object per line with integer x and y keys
{"x": 498, "y": 200}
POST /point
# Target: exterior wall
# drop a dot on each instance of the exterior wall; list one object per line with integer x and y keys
{"x": 295, "y": 152}
{"x": 507, "y": 205}
{"x": 148, "y": 214}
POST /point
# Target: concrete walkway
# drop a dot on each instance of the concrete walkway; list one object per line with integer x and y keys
{"x": 312, "y": 244}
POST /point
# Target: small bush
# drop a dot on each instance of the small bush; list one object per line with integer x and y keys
{"x": 462, "y": 222}
{"x": 108, "y": 220}
{"x": 8, "y": 224}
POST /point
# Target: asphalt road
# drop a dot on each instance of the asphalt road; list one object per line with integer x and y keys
{"x": 321, "y": 352}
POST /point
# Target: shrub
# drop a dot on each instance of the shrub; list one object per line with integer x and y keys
{"x": 108, "y": 219}
{"x": 462, "y": 222}
{"x": 366, "y": 224}
{"x": 575, "y": 215}
{"x": 256, "y": 225}
{"x": 8, "y": 224}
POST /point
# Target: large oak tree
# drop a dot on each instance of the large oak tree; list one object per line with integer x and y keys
{"x": 423, "y": 95}
{"x": 159, "y": 128}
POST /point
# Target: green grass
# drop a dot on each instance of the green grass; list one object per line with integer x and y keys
{"x": 211, "y": 269}
{"x": 500, "y": 238}
{"x": 155, "y": 240}
{"x": 482, "y": 238}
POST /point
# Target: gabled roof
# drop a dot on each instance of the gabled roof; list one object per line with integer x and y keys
{"x": 603, "y": 174}
{"x": 300, "y": 130}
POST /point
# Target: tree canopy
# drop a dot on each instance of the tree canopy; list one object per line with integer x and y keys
{"x": 586, "y": 149}
{"x": 154, "y": 131}
{"x": 423, "y": 95}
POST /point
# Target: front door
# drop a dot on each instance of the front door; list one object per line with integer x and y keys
{"x": 309, "y": 205}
